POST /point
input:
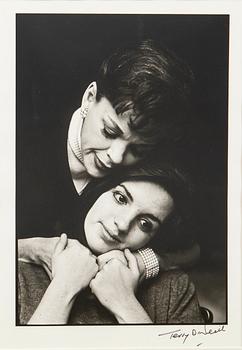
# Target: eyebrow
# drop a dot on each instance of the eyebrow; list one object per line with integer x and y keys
{"x": 154, "y": 218}
{"x": 120, "y": 132}
{"x": 115, "y": 126}
{"x": 127, "y": 192}
{"x": 131, "y": 121}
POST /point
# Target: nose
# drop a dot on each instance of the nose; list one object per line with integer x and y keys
{"x": 122, "y": 223}
{"x": 116, "y": 151}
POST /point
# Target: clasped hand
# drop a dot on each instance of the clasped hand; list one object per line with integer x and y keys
{"x": 116, "y": 282}
{"x": 113, "y": 277}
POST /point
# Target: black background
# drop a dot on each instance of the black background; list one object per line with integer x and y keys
{"x": 58, "y": 56}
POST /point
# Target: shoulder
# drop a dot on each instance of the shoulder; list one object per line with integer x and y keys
{"x": 176, "y": 284}
{"x": 175, "y": 280}
{"x": 180, "y": 283}
{"x": 171, "y": 298}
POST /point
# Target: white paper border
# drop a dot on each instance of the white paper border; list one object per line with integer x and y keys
{"x": 114, "y": 337}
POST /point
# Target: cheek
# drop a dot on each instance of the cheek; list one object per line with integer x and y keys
{"x": 91, "y": 226}
{"x": 138, "y": 239}
{"x": 95, "y": 138}
{"x": 91, "y": 217}
{"x": 87, "y": 225}
{"x": 100, "y": 209}
{"x": 90, "y": 125}
{"x": 130, "y": 159}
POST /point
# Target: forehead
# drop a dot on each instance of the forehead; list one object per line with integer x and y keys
{"x": 150, "y": 198}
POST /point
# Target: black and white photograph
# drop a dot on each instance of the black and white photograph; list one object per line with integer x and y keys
{"x": 121, "y": 146}
{"x": 122, "y": 174}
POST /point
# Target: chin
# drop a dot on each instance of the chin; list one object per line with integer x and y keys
{"x": 98, "y": 247}
{"x": 92, "y": 170}
{"x": 98, "y": 174}
{"x": 99, "y": 250}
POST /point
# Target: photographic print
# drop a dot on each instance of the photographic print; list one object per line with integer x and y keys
{"x": 123, "y": 199}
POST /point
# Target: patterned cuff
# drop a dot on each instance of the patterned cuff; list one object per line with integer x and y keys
{"x": 150, "y": 261}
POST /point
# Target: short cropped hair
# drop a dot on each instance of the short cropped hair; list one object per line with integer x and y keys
{"x": 153, "y": 84}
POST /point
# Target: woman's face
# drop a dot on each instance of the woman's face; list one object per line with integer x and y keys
{"x": 106, "y": 138}
{"x": 127, "y": 216}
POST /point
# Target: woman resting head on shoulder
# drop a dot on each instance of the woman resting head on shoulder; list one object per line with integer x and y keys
{"x": 123, "y": 214}
{"x": 137, "y": 105}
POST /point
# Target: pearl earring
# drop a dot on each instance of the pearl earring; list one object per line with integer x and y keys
{"x": 83, "y": 112}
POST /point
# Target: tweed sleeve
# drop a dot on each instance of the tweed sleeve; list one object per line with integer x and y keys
{"x": 183, "y": 302}
{"x": 32, "y": 282}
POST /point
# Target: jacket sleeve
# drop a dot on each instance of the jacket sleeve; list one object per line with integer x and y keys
{"x": 32, "y": 282}
{"x": 183, "y": 302}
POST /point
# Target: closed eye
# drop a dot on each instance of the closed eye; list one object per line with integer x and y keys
{"x": 110, "y": 129}
{"x": 109, "y": 133}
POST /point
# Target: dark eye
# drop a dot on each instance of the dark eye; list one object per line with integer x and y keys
{"x": 109, "y": 133}
{"x": 145, "y": 225}
{"x": 120, "y": 198}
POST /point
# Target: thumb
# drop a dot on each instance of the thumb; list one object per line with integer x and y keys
{"x": 132, "y": 262}
{"x": 61, "y": 244}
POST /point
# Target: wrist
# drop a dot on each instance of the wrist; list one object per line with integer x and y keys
{"x": 151, "y": 262}
{"x": 141, "y": 266}
{"x": 44, "y": 249}
{"x": 54, "y": 307}
{"x": 63, "y": 290}
{"x": 123, "y": 308}
{"x": 132, "y": 312}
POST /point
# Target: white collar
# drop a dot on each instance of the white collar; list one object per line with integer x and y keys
{"x": 74, "y": 142}
{"x": 74, "y": 134}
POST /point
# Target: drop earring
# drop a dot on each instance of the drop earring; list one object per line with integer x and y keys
{"x": 83, "y": 112}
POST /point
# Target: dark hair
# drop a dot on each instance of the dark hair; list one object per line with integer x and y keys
{"x": 151, "y": 83}
{"x": 173, "y": 233}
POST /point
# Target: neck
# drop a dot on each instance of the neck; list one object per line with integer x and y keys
{"x": 74, "y": 135}
{"x": 75, "y": 158}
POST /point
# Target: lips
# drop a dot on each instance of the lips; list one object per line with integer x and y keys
{"x": 108, "y": 235}
{"x": 100, "y": 164}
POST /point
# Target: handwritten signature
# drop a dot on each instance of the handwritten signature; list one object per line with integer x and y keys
{"x": 182, "y": 335}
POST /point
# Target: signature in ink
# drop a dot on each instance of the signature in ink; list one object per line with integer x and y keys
{"x": 208, "y": 331}
{"x": 177, "y": 334}
{"x": 184, "y": 335}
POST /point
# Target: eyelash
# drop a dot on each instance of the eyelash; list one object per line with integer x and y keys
{"x": 118, "y": 193}
{"x": 149, "y": 228}
{"x": 150, "y": 225}
{"x": 109, "y": 134}
{"x": 112, "y": 135}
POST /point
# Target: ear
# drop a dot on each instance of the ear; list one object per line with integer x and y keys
{"x": 90, "y": 93}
